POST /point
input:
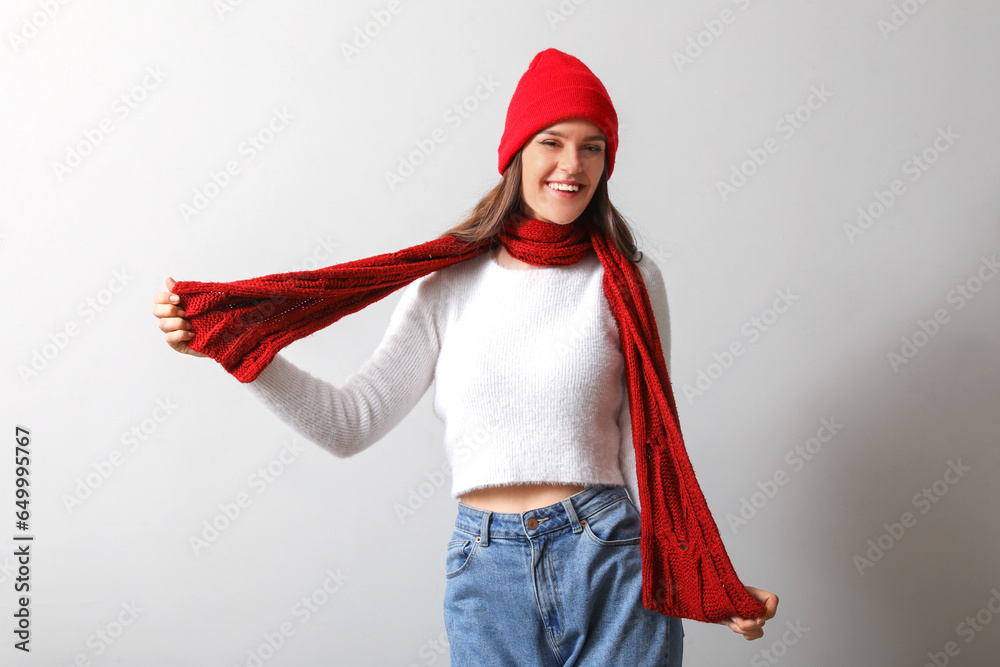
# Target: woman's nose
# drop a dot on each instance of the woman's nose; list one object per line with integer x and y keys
{"x": 570, "y": 161}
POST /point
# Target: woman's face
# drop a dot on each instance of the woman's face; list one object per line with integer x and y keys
{"x": 560, "y": 169}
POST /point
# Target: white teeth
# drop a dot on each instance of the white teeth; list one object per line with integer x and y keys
{"x": 564, "y": 187}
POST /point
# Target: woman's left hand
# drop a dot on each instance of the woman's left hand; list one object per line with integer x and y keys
{"x": 753, "y": 628}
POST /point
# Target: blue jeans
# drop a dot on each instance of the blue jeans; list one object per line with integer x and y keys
{"x": 557, "y": 586}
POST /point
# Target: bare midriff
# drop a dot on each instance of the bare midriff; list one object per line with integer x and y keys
{"x": 517, "y": 498}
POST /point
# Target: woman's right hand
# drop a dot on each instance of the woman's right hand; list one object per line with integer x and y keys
{"x": 166, "y": 306}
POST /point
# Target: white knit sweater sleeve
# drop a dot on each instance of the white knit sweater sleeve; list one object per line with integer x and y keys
{"x": 655, "y": 288}
{"x": 348, "y": 419}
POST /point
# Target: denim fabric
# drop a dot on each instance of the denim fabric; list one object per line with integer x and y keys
{"x": 563, "y": 592}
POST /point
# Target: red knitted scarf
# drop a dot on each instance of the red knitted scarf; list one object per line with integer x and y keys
{"x": 686, "y": 571}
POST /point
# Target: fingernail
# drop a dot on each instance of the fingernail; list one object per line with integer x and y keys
{"x": 174, "y": 298}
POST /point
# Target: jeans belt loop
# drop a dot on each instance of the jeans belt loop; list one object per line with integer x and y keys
{"x": 573, "y": 520}
{"x": 484, "y": 531}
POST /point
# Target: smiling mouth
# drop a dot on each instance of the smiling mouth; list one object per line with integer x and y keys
{"x": 564, "y": 187}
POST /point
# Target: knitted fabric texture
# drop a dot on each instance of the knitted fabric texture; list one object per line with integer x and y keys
{"x": 557, "y": 87}
{"x": 686, "y": 571}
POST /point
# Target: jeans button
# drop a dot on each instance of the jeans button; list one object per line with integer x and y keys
{"x": 532, "y": 523}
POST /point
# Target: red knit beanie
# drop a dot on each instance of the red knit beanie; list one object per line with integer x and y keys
{"x": 557, "y": 87}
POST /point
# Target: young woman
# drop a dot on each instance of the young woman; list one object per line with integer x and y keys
{"x": 544, "y": 565}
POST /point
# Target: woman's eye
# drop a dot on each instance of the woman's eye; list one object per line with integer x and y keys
{"x": 592, "y": 148}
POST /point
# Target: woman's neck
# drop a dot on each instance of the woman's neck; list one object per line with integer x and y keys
{"x": 505, "y": 259}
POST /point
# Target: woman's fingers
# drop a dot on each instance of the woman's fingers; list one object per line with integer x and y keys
{"x": 745, "y": 624}
{"x": 167, "y": 298}
{"x": 766, "y": 598}
{"x": 753, "y": 628}
{"x": 750, "y": 628}
{"x": 176, "y": 329}
{"x": 179, "y": 336}
{"x": 169, "y": 324}
{"x": 750, "y": 635}
{"x": 175, "y": 337}
{"x": 166, "y": 304}
{"x": 167, "y": 310}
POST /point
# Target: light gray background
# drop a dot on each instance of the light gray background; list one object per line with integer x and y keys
{"x": 317, "y": 195}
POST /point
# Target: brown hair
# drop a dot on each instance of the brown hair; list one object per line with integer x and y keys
{"x": 492, "y": 211}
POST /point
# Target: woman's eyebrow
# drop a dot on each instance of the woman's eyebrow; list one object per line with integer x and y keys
{"x": 598, "y": 137}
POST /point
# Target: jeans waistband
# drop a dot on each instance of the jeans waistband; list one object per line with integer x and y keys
{"x": 531, "y": 523}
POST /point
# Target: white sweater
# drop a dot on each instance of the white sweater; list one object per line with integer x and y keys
{"x": 527, "y": 367}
